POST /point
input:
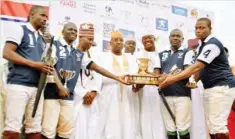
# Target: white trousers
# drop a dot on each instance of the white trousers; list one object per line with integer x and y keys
{"x": 198, "y": 127}
{"x": 181, "y": 108}
{"x": 19, "y": 100}
{"x": 218, "y": 101}
{"x": 57, "y": 118}
{"x": 152, "y": 125}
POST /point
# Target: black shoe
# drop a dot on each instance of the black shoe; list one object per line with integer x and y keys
{"x": 172, "y": 136}
{"x": 58, "y": 137}
{"x": 44, "y": 137}
{"x": 187, "y": 136}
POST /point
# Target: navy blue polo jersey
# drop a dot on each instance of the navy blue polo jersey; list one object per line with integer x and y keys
{"x": 168, "y": 60}
{"x": 70, "y": 62}
{"x": 31, "y": 49}
{"x": 217, "y": 72}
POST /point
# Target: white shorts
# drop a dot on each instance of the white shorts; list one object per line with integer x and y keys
{"x": 57, "y": 118}
{"x": 181, "y": 108}
{"x": 218, "y": 102}
{"x": 19, "y": 101}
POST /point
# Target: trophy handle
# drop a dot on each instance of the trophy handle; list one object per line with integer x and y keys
{"x": 137, "y": 61}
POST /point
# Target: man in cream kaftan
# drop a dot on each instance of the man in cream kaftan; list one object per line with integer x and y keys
{"x": 86, "y": 111}
{"x": 198, "y": 126}
{"x": 152, "y": 126}
{"x": 117, "y": 101}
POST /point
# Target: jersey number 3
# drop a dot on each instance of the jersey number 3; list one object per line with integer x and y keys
{"x": 206, "y": 54}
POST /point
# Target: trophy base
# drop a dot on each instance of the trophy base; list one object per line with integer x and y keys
{"x": 142, "y": 79}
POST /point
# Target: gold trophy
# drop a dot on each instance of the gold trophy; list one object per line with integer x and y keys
{"x": 66, "y": 75}
{"x": 143, "y": 77}
{"x": 192, "y": 81}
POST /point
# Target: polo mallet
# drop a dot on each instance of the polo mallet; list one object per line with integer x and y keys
{"x": 173, "y": 72}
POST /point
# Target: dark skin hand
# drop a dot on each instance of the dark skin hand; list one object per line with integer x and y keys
{"x": 137, "y": 87}
{"x": 9, "y": 53}
{"x": 63, "y": 92}
{"x": 89, "y": 97}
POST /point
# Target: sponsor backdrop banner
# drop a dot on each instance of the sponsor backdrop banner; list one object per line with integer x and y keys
{"x": 131, "y": 17}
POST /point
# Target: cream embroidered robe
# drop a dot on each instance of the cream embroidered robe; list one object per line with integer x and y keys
{"x": 152, "y": 126}
{"x": 118, "y": 104}
{"x": 86, "y": 117}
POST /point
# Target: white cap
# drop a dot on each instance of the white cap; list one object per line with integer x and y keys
{"x": 130, "y": 37}
{"x": 146, "y": 32}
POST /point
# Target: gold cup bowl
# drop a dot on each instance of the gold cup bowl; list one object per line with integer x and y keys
{"x": 66, "y": 75}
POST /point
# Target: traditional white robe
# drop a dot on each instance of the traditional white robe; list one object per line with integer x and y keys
{"x": 118, "y": 104}
{"x": 86, "y": 117}
{"x": 198, "y": 126}
{"x": 152, "y": 126}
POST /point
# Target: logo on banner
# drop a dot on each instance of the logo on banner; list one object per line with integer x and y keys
{"x": 144, "y": 20}
{"x": 179, "y": 24}
{"x": 127, "y": 33}
{"x": 129, "y": 1}
{"x": 107, "y": 29}
{"x": 106, "y": 46}
{"x": 108, "y": 10}
{"x": 179, "y": 11}
{"x": 194, "y": 13}
{"x": 89, "y": 8}
{"x": 142, "y": 3}
{"x": 66, "y": 20}
{"x": 161, "y": 6}
{"x": 162, "y": 24}
{"x": 108, "y": 13}
{"x": 68, "y": 3}
{"x": 126, "y": 15}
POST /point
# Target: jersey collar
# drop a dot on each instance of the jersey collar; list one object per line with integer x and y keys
{"x": 32, "y": 29}
{"x": 64, "y": 43}
{"x": 169, "y": 49}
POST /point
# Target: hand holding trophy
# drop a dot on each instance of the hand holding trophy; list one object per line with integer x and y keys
{"x": 192, "y": 83}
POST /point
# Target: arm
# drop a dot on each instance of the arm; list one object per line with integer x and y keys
{"x": 197, "y": 77}
{"x": 9, "y": 53}
{"x": 63, "y": 92}
{"x": 233, "y": 70}
{"x": 13, "y": 40}
{"x": 103, "y": 71}
{"x": 196, "y": 67}
{"x": 157, "y": 72}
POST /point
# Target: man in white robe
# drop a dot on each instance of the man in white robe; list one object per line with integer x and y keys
{"x": 152, "y": 126}
{"x": 198, "y": 127}
{"x": 130, "y": 45}
{"x": 117, "y": 102}
{"x": 87, "y": 91}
